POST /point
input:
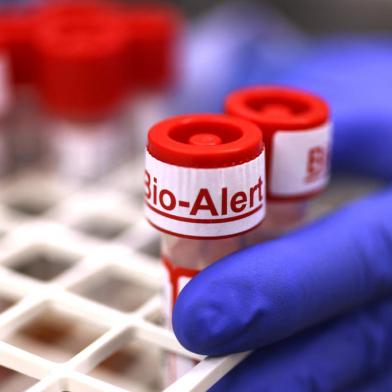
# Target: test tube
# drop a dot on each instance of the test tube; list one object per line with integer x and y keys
{"x": 16, "y": 24}
{"x": 154, "y": 31}
{"x": 5, "y": 106}
{"x": 204, "y": 190}
{"x": 297, "y": 132}
{"x": 154, "y": 49}
{"x": 71, "y": 9}
{"x": 82, "y": 84}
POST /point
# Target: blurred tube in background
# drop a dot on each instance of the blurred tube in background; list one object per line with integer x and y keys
{"x": 85, "y": 80}
{"x": 166, "y": 71}
{"x": 155, "y": 62}
{"x": 82, "y": 82}
{"x": 154, "y": 31}
{"x": 5, "y": 103}
{"x": 16, "y": 26}
{"x": 297, "y": 133}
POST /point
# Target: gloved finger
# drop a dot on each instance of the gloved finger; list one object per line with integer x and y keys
{"x": 270, "y": 291}
{"x": 328, "y": 358}
{"x": 380, "y": 383}
{"x": 353, "y": 75}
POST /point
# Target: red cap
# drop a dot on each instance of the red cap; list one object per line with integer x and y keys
{"x": 205, "y": 141}
{"x": 16, "y": 25}
{"x": 75, "y": 9}
{"x": 278, "y": 108}
{"x": 153, "y": 34}
{"x": 82, "y": 64}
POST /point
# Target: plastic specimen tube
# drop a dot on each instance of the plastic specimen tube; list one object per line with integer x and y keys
{"x": 5, "y": 105}
{"x": 154, "y": 31}
{"x": 155, "y": 59}
{"x": 6, "y": 100}
{"x": 204, "y": 190}
{"x": 83, "y": 84}
{"x": 297, "y": 132}
{"x": 16, "y": 24}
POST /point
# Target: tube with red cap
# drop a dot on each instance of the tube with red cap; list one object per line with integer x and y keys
{"x": 154, "y": 54}
{"x": 154, "y": 31}
{"x": 5, "y": 107}
{"x": 204, "y": 190}
{"x": 65, "y": 9}
{"x": 82, "y": 83}
{"x": 17, "y": 96}
{"x": 297, "y": 131}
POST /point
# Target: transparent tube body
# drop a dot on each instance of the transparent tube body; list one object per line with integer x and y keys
{"x": 25, "y": 125}
{"x": 143, "y": 111}
{"x": 7, "y": 105}
{"x": 198, "y": 254}
{"x": 83, "y": 151}
{"x": 193, "y": 255}
{"x": 4, "y": 149}
{"x": 282, "y": 217}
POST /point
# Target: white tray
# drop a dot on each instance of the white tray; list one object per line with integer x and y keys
{"x": 80, "y": 288}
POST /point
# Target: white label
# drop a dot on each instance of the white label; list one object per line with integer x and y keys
{"x": 300, "y": 161}
{"x": 205, "y": 203}
{"x": 85, "y": 152}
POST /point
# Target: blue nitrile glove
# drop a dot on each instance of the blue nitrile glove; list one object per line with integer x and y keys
{"x": 353, "y": 73}
{"x": 316, "y": 305}
{"x": 226, "y": 47}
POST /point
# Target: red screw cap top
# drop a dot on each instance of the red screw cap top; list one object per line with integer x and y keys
{"x": 153, "y": 34}
{"x": 16, "y": 25}
{"x": 205, "y": 141}
{"x": 70, "y": 9}
{"x": 82, "y": 64}
{"x": 278, "y": 108}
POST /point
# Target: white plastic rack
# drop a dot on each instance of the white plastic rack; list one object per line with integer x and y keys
{"x": 80, "y": 288}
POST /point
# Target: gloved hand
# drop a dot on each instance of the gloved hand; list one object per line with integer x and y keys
{"x": 315, "y": 305}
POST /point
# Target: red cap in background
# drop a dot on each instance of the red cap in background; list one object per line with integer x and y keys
{"x": 16, "y": 26}
{"x": 65, "y": 9}
{"x": 278, "y": 108}
{"x": 82, "y": 64}
{"x": 154, "y": 32}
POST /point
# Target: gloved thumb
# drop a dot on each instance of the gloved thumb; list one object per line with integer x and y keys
{"x": 270, "y": 291}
